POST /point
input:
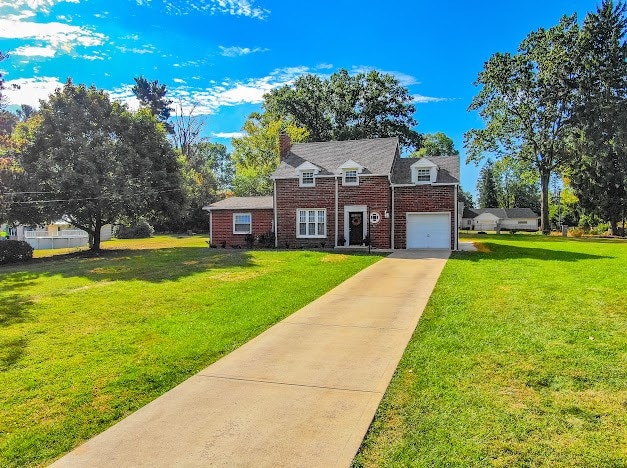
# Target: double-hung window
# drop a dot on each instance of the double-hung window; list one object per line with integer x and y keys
{"x": 242, "y": 223}
{"x": 311, "y": 223}
{"x": 423, "y": 175}
{"x": 350, "y": 177}
{"x": 307, "y": 179}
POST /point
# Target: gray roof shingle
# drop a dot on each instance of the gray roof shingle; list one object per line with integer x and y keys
{"x": 243, "y": 203}
{"x": 375, "y": 155}
{"x": 448, "y": 169}
{"x": 502, "y": 213}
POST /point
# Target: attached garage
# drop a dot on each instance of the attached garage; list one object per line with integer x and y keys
{"x": 429, "y": 230}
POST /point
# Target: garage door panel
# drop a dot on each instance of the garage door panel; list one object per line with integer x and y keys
{"x": 428, "y": 231}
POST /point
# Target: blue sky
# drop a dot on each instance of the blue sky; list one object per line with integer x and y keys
{"x": 222, "y": 55}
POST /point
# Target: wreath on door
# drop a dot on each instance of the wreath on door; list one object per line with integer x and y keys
{"x": 355, "y": 220}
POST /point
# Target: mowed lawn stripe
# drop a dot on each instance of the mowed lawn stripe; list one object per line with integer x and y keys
{"x": 520, "y": 359}
{"x": 86, "y": 341}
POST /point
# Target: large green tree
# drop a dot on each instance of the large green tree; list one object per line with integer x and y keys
{"x": 94, "y": 162}
{"x": 344, "y": 106}
{"x": 256, "y": 153}
{"x": 517, "y": 184}
{"x": 208, "y": 176}
{"x": 599, "y": 174}
{"x": 526, "y": 101}
{"x": 436, "y": 144}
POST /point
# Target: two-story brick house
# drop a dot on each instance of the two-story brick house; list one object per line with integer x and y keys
{"x": 343, "y": 193}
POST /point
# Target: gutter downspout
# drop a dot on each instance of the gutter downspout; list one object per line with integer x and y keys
{"x": 276, "y": 227}
{"x": 456, "y": 218}
{"x": 336, "y": 209}
{"x": 210, "y": 228}
{"x": 393, "y": 215}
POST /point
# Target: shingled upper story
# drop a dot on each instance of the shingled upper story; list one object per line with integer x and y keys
{"x": 343, "y": 193}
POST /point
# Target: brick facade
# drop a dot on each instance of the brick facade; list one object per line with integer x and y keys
{"x": 373, "y": 192}
{"x": 222, "y": 226}
{"x": 422, "y": 198}
{"x": 290, "y": 197}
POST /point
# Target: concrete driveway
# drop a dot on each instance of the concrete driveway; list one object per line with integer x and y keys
{"x": 303, "y": 393}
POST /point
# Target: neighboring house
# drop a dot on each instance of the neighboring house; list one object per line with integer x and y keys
{"x": 57, "y": 235}
{"x": 491, "y": 219}
{"x": 346, "y": 193}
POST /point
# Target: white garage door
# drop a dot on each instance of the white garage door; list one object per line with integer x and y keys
{"x": 428, "y": 231}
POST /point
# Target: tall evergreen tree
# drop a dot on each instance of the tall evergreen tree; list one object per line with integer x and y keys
{"x": 153, "y": 96}
{"x": 599, "y": 175}
{"x": 487, "y": 187}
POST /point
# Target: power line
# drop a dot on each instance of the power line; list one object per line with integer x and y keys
{"x": 65, "y": 200}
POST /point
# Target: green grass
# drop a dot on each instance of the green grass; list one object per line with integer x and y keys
{"x": 520, "y": 359}
{"x": 84, "y": 341}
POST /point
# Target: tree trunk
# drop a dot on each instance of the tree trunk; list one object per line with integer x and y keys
{"x": 613, "y": 227}
{"x": 545, "y": 225}
{"x": 96, "y": 242}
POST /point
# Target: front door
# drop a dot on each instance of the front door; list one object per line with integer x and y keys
{"x": 355, "y": 228}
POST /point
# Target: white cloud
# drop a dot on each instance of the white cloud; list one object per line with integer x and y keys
{"x": 228, "y": 135}
{"x": 245, "y": 8}
{"x": 420, "y": 99}
{"x": 34, "y": 51}
{"x": 56, "y": 34}
{"x": 403, "y": 78}
{"x": 35, "y": 5}
{"x": 147, "y": 49}
{"x": 235, "y": 51}
{"x": 179, "y": 80}
{"x": 226, "y": 93}
{"x": 31, "y": 90}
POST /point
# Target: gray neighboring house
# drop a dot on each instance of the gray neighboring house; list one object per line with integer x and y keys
{"x": 492, "y": 219}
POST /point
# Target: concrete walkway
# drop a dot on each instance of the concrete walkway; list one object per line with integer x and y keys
{"x": 303, "y": 393}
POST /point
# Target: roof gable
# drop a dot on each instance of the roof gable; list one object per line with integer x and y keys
{"x": 424, "y": 162}
{"x": 307, "y": 166}
{"x": 350, "y": 164}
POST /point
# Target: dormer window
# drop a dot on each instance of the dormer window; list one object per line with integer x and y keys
{"x": 350, "y": 177}
{"x": 306, "y": 174}
{"x": 307, "y": 179}
{"x": 424, "y": 171}
{"x": 350, "y": 171}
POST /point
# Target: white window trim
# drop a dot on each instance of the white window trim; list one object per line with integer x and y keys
{"x": 250, "y": 230}
{"x": 424, "y": 163}
{"x": 349, "y": 184}
{"x": 309, "y": 236}
{"x": 300, "y": 178}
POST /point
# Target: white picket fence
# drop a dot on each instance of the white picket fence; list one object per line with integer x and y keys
{"x": 45, "y": 234}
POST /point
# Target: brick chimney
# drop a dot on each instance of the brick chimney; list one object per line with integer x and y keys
{"x": 285, "y": 143}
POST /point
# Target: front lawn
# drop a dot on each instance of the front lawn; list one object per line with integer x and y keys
{"x": 520, "y": 359}
{"x": 86, "y": 341}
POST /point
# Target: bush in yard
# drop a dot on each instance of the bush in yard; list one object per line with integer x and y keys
{"x": 138, "y": 230}
{"x": 266, "y": 240}
{"x": 250, "y": 240}
{"x": 12, "y": 251}
{"x": 575, "y": 232}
